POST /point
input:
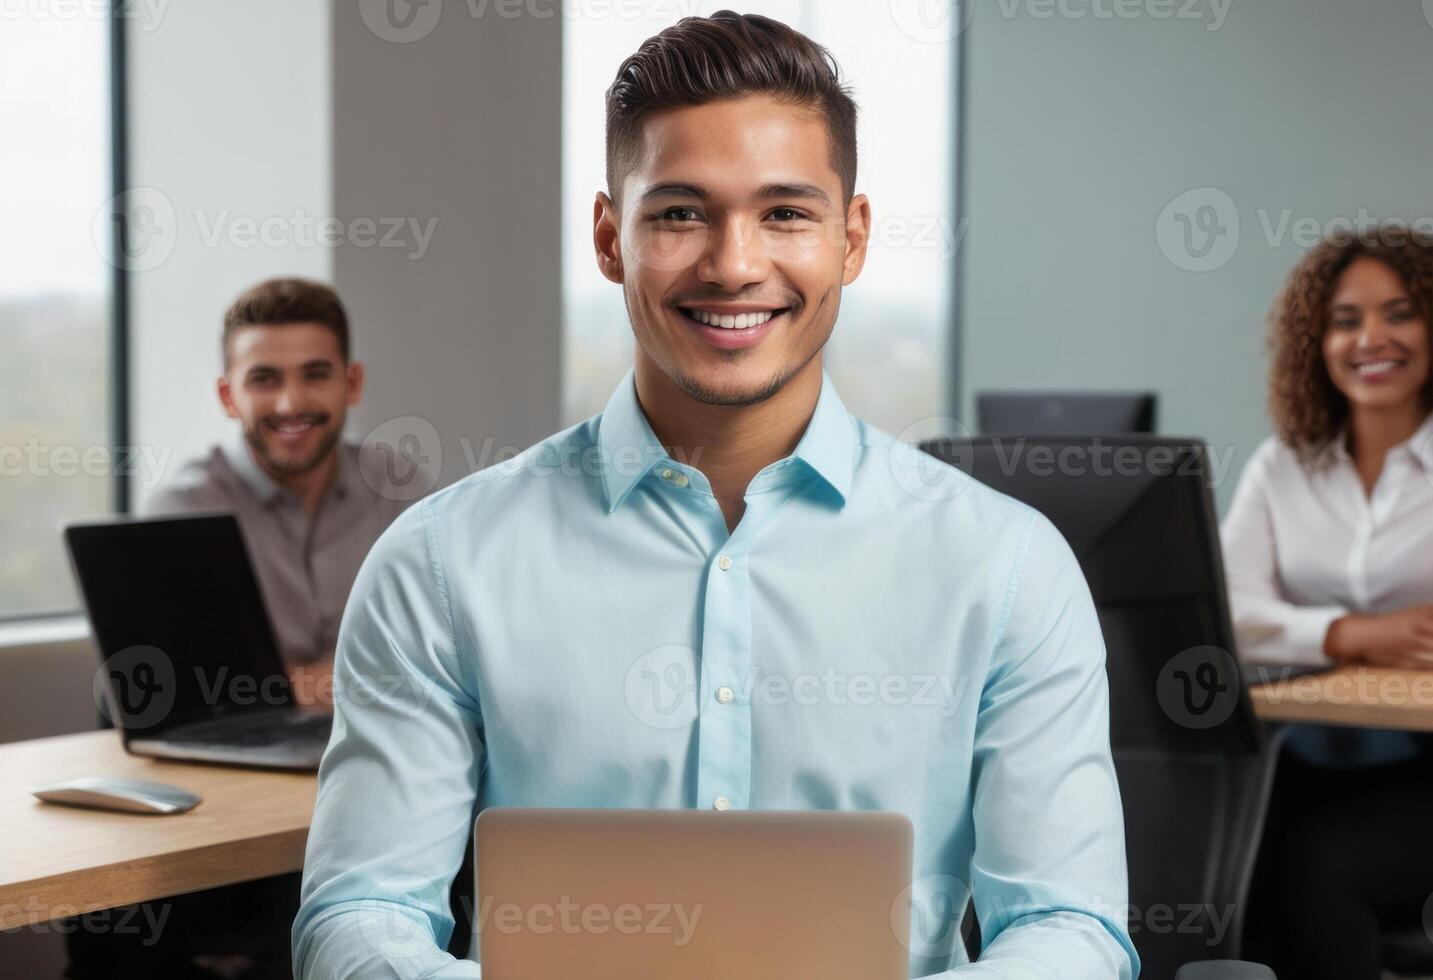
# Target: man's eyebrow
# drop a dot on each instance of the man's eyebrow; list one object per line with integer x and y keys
{"x": 808, "y": 192}
{"x": 675, "y": 190}
{"x": 318, "y": 362}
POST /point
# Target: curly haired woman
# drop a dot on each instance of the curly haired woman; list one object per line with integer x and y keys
{"x": 1329, "y": 553}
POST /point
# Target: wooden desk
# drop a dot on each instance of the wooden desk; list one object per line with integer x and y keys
{"x": 1359, "y": 696}
{"x": 57, "y": 861}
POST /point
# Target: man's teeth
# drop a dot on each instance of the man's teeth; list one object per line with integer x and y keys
{"x": 1377, "y": 367}
{"x": 293, "y": 428}
{"x": 728, "y": 322}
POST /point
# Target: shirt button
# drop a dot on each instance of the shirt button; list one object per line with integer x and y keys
{"x": 681, "y": 480}
{"x": 724, "y": 563}
{"x": 666, "y": 474}
{"x": 721, "y": 803}
{"x": 725, "y": 695}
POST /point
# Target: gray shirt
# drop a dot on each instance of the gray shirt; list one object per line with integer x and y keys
{"x": 305, "y": 566}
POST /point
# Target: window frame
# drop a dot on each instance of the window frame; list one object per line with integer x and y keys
{"x": 20, "y": 626}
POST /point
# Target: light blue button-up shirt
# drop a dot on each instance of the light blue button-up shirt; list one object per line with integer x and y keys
{"x": 576, "y": 627}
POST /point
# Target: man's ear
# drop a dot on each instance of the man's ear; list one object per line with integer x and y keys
{"x": 226, "y": 397}
{"x": 355, "y": 382}
{"x": 607, "y": 237}
{"x": 858, "y": 237}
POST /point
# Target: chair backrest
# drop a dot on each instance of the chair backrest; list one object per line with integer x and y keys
{"x": 1193, "y": 767}
{"x": 1225, "y": 970}
{"x": 1192, "y": 827}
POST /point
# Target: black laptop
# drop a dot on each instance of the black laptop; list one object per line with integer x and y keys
{"x": 189, "y": 665}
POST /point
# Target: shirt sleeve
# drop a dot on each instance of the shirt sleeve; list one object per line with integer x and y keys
{"x": 1048, "y": 874}
{"x": 1267, "y": 625}
{"x": 398, "y": 784}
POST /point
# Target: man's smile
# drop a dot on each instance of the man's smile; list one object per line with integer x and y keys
{"x": 733, "y": 326}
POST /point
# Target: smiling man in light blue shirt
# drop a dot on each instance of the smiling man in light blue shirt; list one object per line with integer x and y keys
{"x": 725, "y": 591}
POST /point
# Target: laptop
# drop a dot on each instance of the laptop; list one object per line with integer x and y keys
{"x": 189, "y": 665}
{"x": 696, "y": 894}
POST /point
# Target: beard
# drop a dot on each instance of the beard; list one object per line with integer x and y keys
{"x": 257, "y": 437}
{"x": 733, "y": 398}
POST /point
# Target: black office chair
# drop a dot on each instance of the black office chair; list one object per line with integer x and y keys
{"x": 1408, "y": 952}
{"x": 1225, "y": 970}
{"x": 1193, "y": 766}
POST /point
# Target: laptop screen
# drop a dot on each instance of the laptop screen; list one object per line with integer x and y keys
{"x": 179, "y": 620}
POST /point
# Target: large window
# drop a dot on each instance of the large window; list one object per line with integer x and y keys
{"x": 56, "y": 459}
{"x": 888, "y": 355}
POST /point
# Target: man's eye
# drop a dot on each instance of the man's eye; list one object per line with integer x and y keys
{"x": 787, "y": 214}
{"x": 678, "y": 214}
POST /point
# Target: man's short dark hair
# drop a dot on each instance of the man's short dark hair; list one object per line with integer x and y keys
{"x": 726, "y": 56}
{"x": 276, "y": 302}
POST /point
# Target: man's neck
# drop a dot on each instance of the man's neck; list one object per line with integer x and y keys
{"x": 308, "y": 487}
{"x": 730, "y": 444}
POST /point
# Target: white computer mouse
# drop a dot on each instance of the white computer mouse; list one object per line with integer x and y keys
{"x": 113, "y": 793}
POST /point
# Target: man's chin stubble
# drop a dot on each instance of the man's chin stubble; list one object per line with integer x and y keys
{"x": 301, "y": 468}
{"x": 729, "y": 398}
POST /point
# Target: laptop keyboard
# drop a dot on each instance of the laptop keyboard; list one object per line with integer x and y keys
{"x": 259, "y": 729}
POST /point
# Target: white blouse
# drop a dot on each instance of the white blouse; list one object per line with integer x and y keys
{"x": 1303, "y": 545}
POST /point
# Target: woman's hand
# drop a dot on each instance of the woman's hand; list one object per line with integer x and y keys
{"x": 1397, "y": 639}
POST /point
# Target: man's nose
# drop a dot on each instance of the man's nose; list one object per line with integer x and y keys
{"x": 735, "y": 257}
{"x": 288, "y": 400}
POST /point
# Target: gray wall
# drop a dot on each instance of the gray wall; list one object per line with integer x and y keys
{"x": 1078, "y": 132}
{"x": 228, "y": 128}
{"x": 461, "y": 124}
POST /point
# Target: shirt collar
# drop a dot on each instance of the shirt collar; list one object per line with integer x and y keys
{"x": 1418, "y": 446}
{"x": 629, "y": 449}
